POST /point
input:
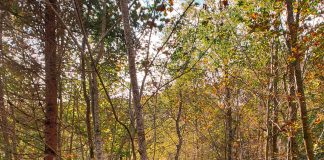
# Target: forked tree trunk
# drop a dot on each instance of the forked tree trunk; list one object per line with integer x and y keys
{"x": 132, "y": 72}
{"x": 293, "y": 24}
{"x": 50, "y": 131}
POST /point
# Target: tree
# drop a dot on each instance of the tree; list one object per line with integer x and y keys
{"x": 3, "y": 110}
{"x": 295, "y": 69}
{"x": 51, "y": 110}
{"x": 132, "y": 72}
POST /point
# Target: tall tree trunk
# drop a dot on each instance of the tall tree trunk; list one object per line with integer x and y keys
{"x": 292, "y": 143}
{"x": 84, "y": 86}
{"x": 132, "y": 121}
{"x": 80, "y": 132}
{"x": 268, "y": 134}
{"x": 4, "y": 121}
{"x": 75, "y": 105}
{"x": 87, "y": 100}
{"x": 179, "y": 145}
{"x": 229, "y": 119}
{"x": 96, "y": 116}
{"x": 15, "y": 142}
{"x": 132, "y": 71}
{"x": 60, "y": 39}
{"x": 50, "y": 131}
{"x": 293, "y": 24}
{"x": 154, "y": 127}
{"x": 95, "y": 92}
{"x": 275, "y": 73}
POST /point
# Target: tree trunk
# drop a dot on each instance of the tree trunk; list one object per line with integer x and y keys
{"x": 50, "y": 131}
{"x": 80, "y": 132}
{"x": 292, "y": 143}
{"x": 275, "y": 105}
{"x": 132, "y": 122}
{"x": 179, "y": 145}
{"x": 15, "y": 142}
{"x": 3, "y": 112}
{"x": 95, "y": 92}
{"x": 87, "y": 100}
{"x": 84, "y": 88}
{"x": 268, "y": 134}
{"x": 229, "y": 129}
{"x": 75, "y": 105}
{"x": 275, "y": 73}
{"x": 154, "y": 126}
{"x": 293, "y": 52}
{"x": 96, "y": 116}
{"x": 132, "y": 71}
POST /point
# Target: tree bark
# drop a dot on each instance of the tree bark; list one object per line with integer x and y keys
{"x": 132, "y": 71}
{"x": 229, "y": 119}
{"x": 293, "y": 48}
{"x": 96, "y": 116}
{"x": 87, "y": 100}
{"x": 180, "y": 139}
{"x": 275, "y": 73}
{"x": 95, "y": 91}
{"x": 4, "y": 121}
{"x": 132, "y": 122}
{"x": 268, "y": 134}
{"x": 50, "y": 131}
{"x": 292, "y": 143}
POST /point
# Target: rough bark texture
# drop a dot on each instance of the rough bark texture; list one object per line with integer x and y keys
{"x": 4, "y": 122}
{"x": 50, "y": 131}
{"x": 293, "y": 49}
{"x": 133, "y": 77}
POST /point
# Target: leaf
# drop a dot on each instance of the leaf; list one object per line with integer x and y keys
{"x": 170, "y": 9}
{"x": 171, "y": 2}
{"x": 254, "y": 16}
{"x": 160, "y": 8}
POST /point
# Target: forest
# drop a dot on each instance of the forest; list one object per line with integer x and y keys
{"x": 161, "y": 80}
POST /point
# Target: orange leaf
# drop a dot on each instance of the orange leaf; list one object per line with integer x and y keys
{"x": 171, "y": 2}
